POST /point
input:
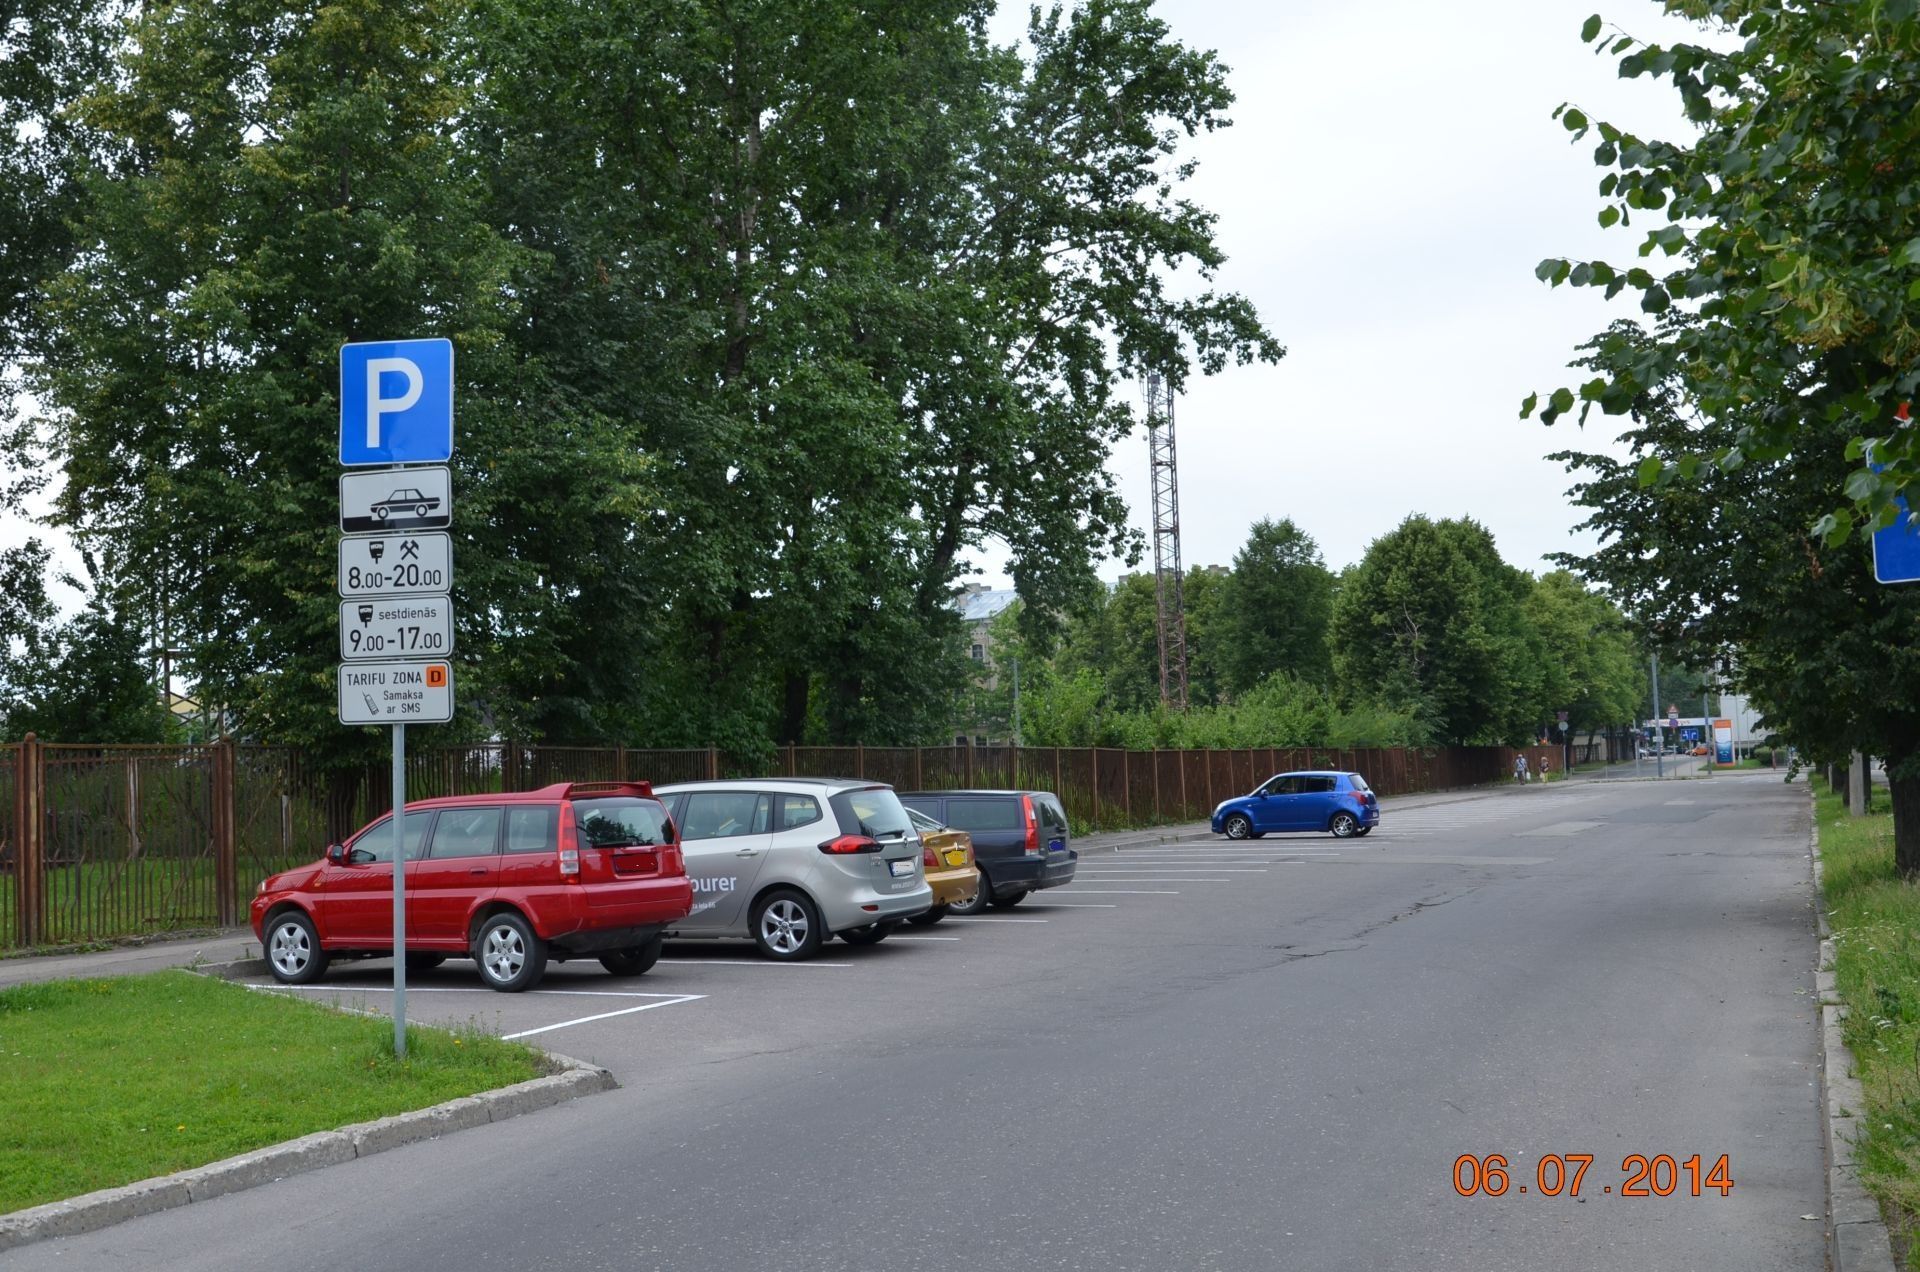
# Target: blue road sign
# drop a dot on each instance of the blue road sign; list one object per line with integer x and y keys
{"x": 396, "y": 402}
{"x": 1896, "y": 550}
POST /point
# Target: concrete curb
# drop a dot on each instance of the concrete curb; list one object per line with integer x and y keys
{"x": 295, "y": 1157}
{"x": 1857, "y": 1239}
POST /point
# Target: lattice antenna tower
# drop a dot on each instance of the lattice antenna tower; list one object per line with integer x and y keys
{"x": 1169, "y": 580}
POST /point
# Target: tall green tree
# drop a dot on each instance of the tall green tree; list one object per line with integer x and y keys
{"x": 1591, "y": 666}
{"x": 1789, "y": 225}
{"x": 277, "y": 183}
{"x": 1276, "y": 608}
{"x": 1433, "y": 620}
{"x": 90, "y": 678}
{"x": 853, "y": 273}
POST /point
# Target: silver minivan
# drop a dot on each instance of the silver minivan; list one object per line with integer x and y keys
{"x": 791, "y": 862}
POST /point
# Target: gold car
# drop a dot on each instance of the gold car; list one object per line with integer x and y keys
{"x": 947, "y": 856}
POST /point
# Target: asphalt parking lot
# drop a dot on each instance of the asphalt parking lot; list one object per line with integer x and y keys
{"x": 1201, "y": 1055}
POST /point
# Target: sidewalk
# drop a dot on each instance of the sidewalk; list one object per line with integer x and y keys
{"x": 153, "y": 956}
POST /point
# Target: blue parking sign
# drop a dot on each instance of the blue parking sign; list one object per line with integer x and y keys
{"x": 396, "y": 402}
{"x": 1896, "y": 549}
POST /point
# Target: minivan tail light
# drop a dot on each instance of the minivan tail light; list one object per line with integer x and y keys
{"x": 1033, "y": 827}
{"x": 847, "y": 845}
{"x": 569, "y": 844}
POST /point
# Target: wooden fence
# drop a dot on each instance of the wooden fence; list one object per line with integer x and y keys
{"x": 114, "y": 841}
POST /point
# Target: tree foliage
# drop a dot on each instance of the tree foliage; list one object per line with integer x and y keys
{"x": 765, "y": 316}
{"x": 1276, "y": 608}
{"x": 1787, "y": 229}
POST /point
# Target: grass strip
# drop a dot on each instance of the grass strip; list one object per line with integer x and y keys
{"x": 1875, "y": 918}
{"x": 110, "y": 1081}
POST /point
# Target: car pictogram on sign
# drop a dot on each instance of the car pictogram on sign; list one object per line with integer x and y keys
{"x": 415, "y": 501}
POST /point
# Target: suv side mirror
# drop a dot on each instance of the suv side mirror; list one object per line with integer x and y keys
{"x": 336, "y": 853}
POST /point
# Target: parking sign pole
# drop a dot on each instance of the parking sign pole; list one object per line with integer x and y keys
{"x": 400, "y": 891}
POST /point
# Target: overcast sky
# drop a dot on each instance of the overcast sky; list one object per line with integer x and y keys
{"x": 1392, "y": 177}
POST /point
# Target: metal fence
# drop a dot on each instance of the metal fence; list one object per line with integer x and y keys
{"x": 100, "y": 842}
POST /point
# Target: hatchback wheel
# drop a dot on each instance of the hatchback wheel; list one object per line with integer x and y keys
{"x": 871, "y": 934}
{"x": 1239, "y": 826}
{"x": 636, "y": 961}
{"x": 930, "y": 918}
{"x": 786, "y": 926}
{"x": 293, "y": 949}
{"x": 1363, "y": 832}
{"x": 980, "y": 900}
{"x": 1343, "y": 825}
{"x": 511, "y": 955}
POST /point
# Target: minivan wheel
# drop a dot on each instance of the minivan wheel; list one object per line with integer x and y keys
{"x": 1343, "y": 825}
{"x": 293, "y": 949}
{"x": 1239, "y": 826}
{"x": 635, "y": 961}
{"x": 787, "y": 926}
{"x": 871, "y": 934}
{"x": 511, "y": 955}
{"x": 979, "y": 901}
{"x": 930, "y": 918}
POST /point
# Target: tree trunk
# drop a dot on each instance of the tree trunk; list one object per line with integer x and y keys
{"x": 1857, "y": 785}
{"x": 794, "y": 715}
{"x": 1905, "y": 792}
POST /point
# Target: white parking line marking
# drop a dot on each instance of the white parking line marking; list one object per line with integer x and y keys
{"x": 477, "y": 989}
{"x": 961, "y": 918}
{"x": 605, "y": 1015}
{"x": 923, "y": 938}
{"x": 1071, "y": 905}
{"x": 740, "y": 962}
{"x": 1126, "y": 878}
{"x": 1122, "y": 892}
{"x": 1162, "y": 865}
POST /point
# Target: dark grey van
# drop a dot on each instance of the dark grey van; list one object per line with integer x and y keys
{"x": 1020, "y": 840}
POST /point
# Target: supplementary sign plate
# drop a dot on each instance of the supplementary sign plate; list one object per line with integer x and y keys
{"x": 395, "y": 564}
{"x": 396, "y": 693}
{"x": 396, "y": 499}
{"x": 397, "y": 627}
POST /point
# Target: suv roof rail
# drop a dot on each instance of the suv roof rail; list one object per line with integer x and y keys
{"x": 572, "y": 790}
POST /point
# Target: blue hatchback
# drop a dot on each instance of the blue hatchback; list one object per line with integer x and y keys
{"x": 1341, "y": 804}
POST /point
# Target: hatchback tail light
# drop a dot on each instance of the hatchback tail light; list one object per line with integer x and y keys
{"x": 1033, "y": 827}
{"x": 569, "y": 844}
{"x": 846, "y": 845}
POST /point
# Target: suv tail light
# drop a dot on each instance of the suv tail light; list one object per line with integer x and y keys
{"x": 569, "y": 844}
{"x": 1033, "y": 827}
{"x": 845, "y": 845}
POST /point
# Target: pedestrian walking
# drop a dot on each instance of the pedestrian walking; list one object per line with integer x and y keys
{"x": 1520, "y": 769}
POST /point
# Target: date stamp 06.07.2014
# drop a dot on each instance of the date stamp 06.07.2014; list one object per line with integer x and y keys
{"x": 1563, "y": 1175}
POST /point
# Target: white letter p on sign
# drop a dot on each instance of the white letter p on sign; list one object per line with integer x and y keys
{"x": 377, "y": 405}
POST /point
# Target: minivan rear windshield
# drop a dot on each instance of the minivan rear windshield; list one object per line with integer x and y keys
{"x": 875, "y": 812}
{"x": 619, "y": 822}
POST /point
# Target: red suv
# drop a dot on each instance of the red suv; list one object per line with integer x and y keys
{"x": 572, "y": 870}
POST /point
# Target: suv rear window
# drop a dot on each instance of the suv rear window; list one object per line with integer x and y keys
{"x": 620, "y": 822}
{"x": 999, "y": 813}
{"x": 530, "y": 828}
{"x": 874, "y": 812}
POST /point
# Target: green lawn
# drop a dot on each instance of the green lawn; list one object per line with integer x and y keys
{"x": 1875, "y": 918}
{"x": 111, "y": 1081}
